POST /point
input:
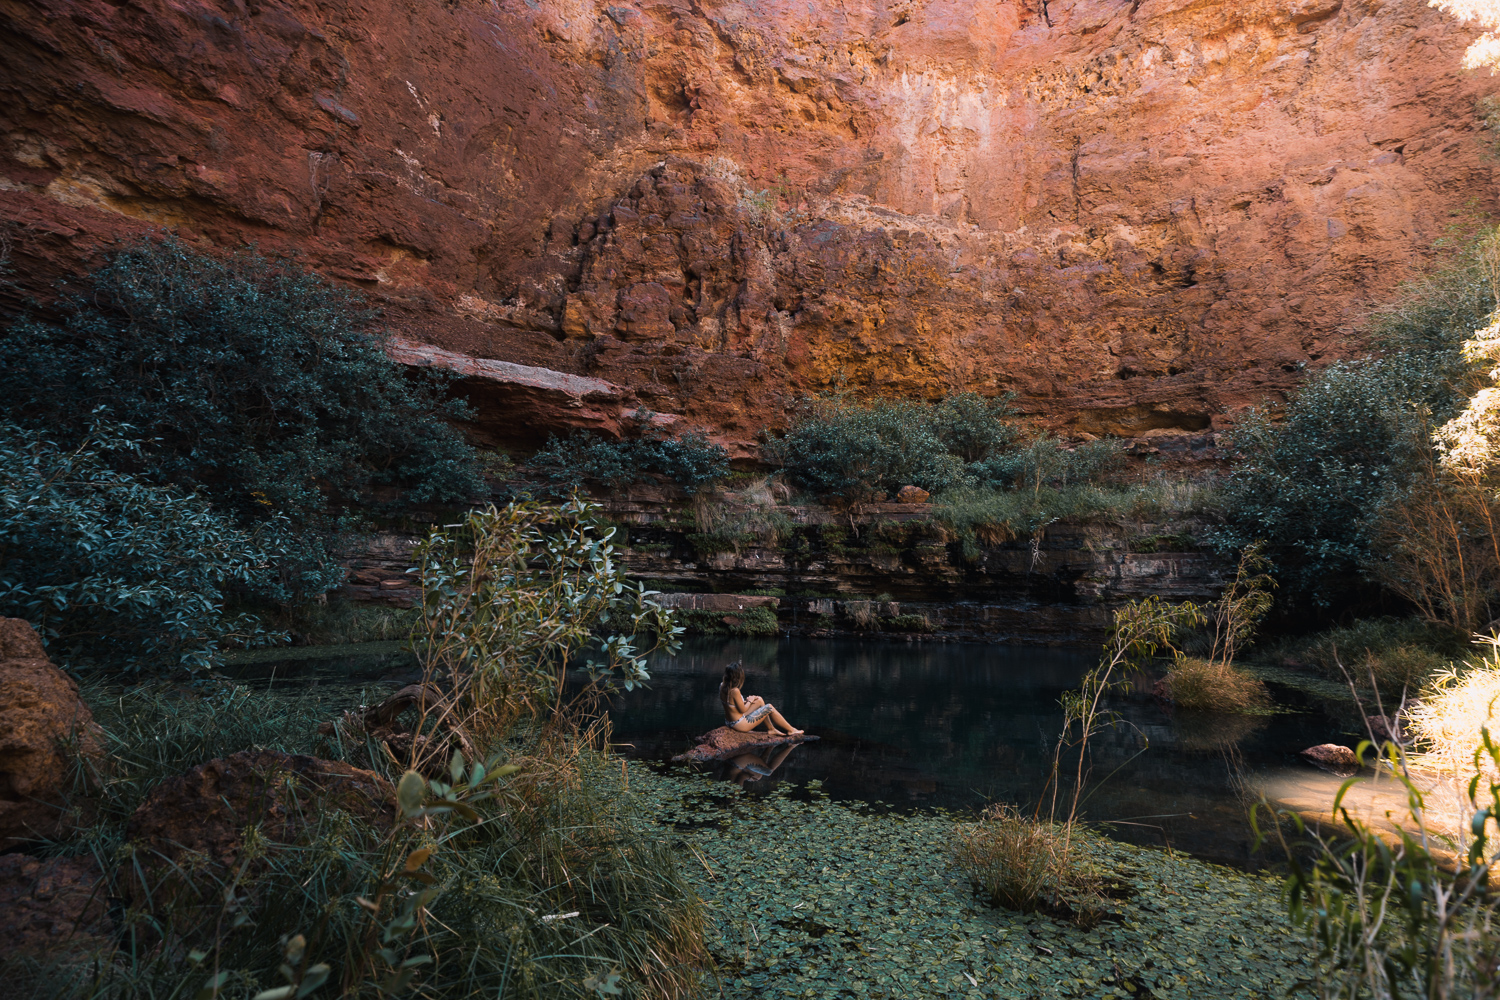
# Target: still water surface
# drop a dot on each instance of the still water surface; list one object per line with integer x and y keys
{"x": 959, "y": 725}
{"x": 906, "y": 725}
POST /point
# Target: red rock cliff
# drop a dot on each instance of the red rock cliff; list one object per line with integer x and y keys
{"x": 1133, "y": 213}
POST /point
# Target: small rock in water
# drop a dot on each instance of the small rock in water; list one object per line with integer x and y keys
{"x": 912, "y": 494}
{"x": 1331, "y": 755}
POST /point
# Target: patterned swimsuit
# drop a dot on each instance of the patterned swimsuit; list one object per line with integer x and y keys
{"x": 752, "y": 717}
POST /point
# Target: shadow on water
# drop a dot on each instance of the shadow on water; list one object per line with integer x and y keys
{"x": 924, "y": 725}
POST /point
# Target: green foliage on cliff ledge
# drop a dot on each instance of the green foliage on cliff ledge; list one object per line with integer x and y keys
{"x": 253, "y": 381}
{"x": 690, "y": 460}
{"x": 850, "y": 452}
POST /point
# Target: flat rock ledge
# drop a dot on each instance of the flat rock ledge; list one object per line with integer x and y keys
{"x": 725, "y": 742}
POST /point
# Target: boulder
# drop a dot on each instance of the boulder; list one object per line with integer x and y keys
{"x": 206, "y": 811}
{"x": 41, "y": 717}
{"x": 723, "y": 743}
{"x": 912, "y": 494}
{"x": 1332, "y": 757}
{"x": 53, "y": 906}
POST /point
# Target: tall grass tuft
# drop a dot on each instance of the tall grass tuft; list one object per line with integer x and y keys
{"x": 1449, "y": 722}
{"x": 1214, "y": 686}
{"x": 1023, "y": 864}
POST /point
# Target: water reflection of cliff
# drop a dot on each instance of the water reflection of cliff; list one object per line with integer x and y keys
{"x": 956, "y": 724}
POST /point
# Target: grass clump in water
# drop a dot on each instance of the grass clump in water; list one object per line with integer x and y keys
{"x": 1023, "y": 864}
{"x": 1214, "y": 686}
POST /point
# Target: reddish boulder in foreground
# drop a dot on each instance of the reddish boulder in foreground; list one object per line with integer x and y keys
{"x": 721, "y": 743}
{"x": 40, "y": 714}
{"x": 51, "y": 906}
{"x": 207, "y": 810}
{"x": 912, "y": 494}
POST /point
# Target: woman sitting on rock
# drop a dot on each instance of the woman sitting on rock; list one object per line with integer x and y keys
{"x": 743, "y": 714}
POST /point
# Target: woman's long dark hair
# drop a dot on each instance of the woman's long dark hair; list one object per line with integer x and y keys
{"x": 734, "y": 676}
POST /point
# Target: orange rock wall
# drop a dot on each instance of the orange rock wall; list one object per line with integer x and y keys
{"x": 1137, "y": 215}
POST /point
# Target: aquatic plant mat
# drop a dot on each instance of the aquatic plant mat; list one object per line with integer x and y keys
{"x": 815, "y": 898}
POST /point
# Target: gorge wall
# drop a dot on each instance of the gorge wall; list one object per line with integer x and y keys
{"x": 1136, "y": 214}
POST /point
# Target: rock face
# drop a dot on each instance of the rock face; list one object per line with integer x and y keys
{"x": 207, "y": 810}
{"x": 1133, "y": 215}
{"x": 40, "y": 714}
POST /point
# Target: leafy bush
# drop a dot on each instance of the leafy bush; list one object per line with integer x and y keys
{"x": 255, "y": 381}
{"x": 852, "y": 453}
{"x": 752, "y": 621}
{"x": 512, "y": 596}
{"x": 1314, "y": 477}
{"x": 690, "y": 460}
{"x": 112, "y": 570}
{"x": 1045, "y": 461}
{"x": 1310, "y": 483}
{"x": 1213, "y": 686}
{"x": 979, "y": 517}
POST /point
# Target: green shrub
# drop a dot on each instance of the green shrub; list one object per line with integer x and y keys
{"x": 511, "y": 596}
{"x": 919, "y": 624}
{"x": 1400, "y": 652}
{"x": 851, "y": 453}
{"x": 1309, "y": 483}
{"x": 690, "y": 460}
{"x": 752, "y": 621}
{"x": 1213, "y": 686}
{"x": 113, "y": 571}
{"x": 255, "y": 381}
{"x": 979, "y": 517}
{"x": 1311, "y": 477}
{"x": 1046, "y": 461}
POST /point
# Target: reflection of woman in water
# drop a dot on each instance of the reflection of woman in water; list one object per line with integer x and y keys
{"x": 743, "y": 714}
{"x": 752, "y": 767}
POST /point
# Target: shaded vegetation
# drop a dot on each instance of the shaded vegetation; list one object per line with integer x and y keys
{"x": 249, "y": 382}
{"x": 690, "y": 460}
{"x": 118, "y": 572}
{"x": 550, "y": 831}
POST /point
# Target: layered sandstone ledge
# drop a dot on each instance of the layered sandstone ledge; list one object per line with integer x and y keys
{"x": 1138, "y": 216}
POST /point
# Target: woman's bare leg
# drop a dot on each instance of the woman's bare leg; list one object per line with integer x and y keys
{"x": 786, "y": 727}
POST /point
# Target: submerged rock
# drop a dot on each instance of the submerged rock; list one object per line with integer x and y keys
{"x": 722, "y": 743}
